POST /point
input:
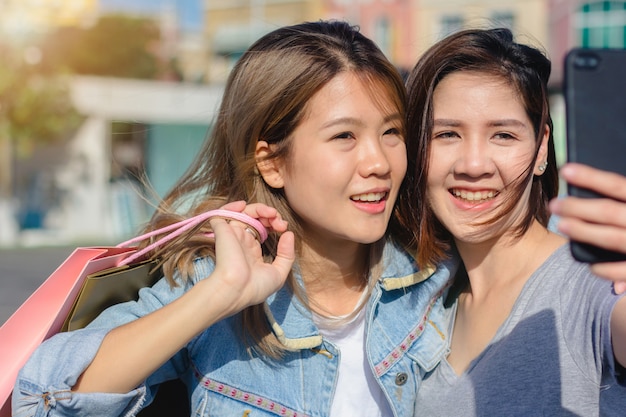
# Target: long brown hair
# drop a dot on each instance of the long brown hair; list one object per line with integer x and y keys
{"x": 265, "y": 98}
{"x": 487, "y": 51}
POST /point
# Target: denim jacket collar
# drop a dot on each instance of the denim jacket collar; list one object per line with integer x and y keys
{"x": 292, "y": 322}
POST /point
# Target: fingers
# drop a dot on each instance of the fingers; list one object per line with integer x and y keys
{"x": 614, "y": 271}
{"x": 592, "y": 210}
{"x": 233, "y": 245}
{"x": 268, "y": 216}
{"x": 228, "y": 229}
{"x": 607, "y": 237}
{"x": 285, "y": 254}
{"x": 619, "y": 287}
{"x": 603, "y": 182}
{"x": 247, "y": 279}
{"x": 237, "y": 206}
{"x": 601, "y": 222}
{"x": 598, "y": 221}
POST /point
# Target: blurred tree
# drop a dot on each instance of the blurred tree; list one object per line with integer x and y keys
{"x": 34, "y": 108}
{"x": 116, "y": 46}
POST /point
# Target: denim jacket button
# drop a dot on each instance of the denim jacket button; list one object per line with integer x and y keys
{"x": 401, "y": 378}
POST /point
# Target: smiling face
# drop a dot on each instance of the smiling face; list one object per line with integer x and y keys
{"x": 481, "y": 146}
{"x": 346, "y": 161}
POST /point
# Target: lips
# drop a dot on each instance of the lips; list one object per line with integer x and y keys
{"x": 474, "y": 196}
{"x": 369, "y": 197}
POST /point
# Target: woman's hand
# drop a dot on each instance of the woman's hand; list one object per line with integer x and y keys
{"x": 268, "y": 216}
{"x": 241, "y": 278}
{"x": 241, "y": 275}
{"x": 600, "y": 221}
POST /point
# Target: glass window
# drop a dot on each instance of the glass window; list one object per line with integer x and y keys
{"x": 503, "y": 19}
{"x": 451, "y": 24}
{"x": 602, "y": 24}
{"x": 382, "y": 34}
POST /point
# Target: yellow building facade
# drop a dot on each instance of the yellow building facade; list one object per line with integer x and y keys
{"x": 231, "y": 26}
{"x": 434, "y": 19}
{"x": 24, "y": 18}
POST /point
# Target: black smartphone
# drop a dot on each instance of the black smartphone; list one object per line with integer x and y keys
{"x": 595, "y": 110}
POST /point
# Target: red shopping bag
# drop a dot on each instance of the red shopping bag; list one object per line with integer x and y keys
{"x": 44, "y": 313}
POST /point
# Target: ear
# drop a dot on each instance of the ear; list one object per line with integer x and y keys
{"x": 270, "y": 169}
{"x": 542, "y": 154}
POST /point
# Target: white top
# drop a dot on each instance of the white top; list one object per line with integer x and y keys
{"x": 357, "y": 392}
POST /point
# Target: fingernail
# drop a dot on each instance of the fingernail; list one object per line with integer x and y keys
{"x": 568, "y": 170}
{"x": 619, "y": 287}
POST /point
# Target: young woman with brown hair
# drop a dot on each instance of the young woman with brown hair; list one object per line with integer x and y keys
{"x": 532, "y": 331}
{"x": 312, "y": 124}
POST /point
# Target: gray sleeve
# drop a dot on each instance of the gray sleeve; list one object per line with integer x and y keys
{"x": 586, "y": 305}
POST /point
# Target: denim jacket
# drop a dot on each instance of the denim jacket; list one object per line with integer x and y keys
{"x": 405, "y": 337}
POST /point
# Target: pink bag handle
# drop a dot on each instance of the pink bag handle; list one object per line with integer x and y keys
{"x": 184, "y": 225}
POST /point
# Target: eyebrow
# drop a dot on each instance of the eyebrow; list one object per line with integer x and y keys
{"x": 493, "y": 123}
{"x": 343, "y": 120}
{"x": 446, "y": 122}
{"x": 507, "y": 122}
{"x": 357, "y": 121}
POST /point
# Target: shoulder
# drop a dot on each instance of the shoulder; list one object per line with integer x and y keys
{"x": 562, "y": 269}
{"x": 571, "y": 281}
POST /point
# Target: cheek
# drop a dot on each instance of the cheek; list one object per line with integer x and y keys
{"x": 439, "y": 165}
{"x": 434, "y": 190}
{"x": 398, "y": 160}
{"x": 308, "y": 165}
{"x": 515, "y": 164}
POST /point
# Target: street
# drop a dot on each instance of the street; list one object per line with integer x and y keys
{"x": 22, "y": 270}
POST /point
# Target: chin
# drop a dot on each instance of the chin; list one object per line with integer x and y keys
{"x": 371, "y": 239}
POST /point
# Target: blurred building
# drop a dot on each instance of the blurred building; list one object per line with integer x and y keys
{"x": 231, "y": 26}
{"x": 157, "y": 127}
{"x": 164, "y": 126}
{"x": 387, "y": 22}
{"x": 181, "y": 24}
{"x": 528, "y": 19}
{"x": 26, "y": 18}
{"x": 580, "y": 23}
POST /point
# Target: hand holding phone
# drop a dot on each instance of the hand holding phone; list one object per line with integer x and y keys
{"x": 595, "y": 100}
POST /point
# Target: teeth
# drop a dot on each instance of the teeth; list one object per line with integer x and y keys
{"x": 369, "y": 197}
{"x": 477, "y": 196}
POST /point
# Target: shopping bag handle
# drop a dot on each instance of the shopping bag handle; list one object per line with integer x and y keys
{"x": 184, "y": 225}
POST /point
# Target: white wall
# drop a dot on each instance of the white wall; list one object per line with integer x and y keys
{"x": 86, "y": 214}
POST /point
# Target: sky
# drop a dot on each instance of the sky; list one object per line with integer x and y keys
{"x": 189, "y": 11}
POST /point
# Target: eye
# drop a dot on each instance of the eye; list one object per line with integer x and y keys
{"x": 448, "y": 134}
{"x": 504, "y": 136}
{"x": 344, "y": 135}
{"x": 393, "y": 136}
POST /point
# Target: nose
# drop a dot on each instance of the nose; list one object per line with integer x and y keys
{"x": 374, "y": 158}
{"x": 474, "y": 159}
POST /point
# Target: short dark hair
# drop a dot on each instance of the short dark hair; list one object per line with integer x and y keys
{"x": 493, "y": 52}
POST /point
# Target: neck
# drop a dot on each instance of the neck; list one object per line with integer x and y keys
{"x": 334, "y": 277}
{"x": 506, "y": 261}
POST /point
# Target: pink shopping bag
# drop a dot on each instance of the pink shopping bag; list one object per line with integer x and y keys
{"x": 44, "y": 312}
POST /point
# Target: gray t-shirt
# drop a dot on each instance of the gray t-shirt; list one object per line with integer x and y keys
{"x": 551, "y": 357}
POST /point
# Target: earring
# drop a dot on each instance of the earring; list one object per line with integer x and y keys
{"x": 543, "y": 166}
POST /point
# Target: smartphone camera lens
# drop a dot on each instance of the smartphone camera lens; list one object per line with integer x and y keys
{"x": 588, "y": 61}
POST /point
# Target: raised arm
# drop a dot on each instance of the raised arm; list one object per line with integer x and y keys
{"x": 130, "y": 353}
